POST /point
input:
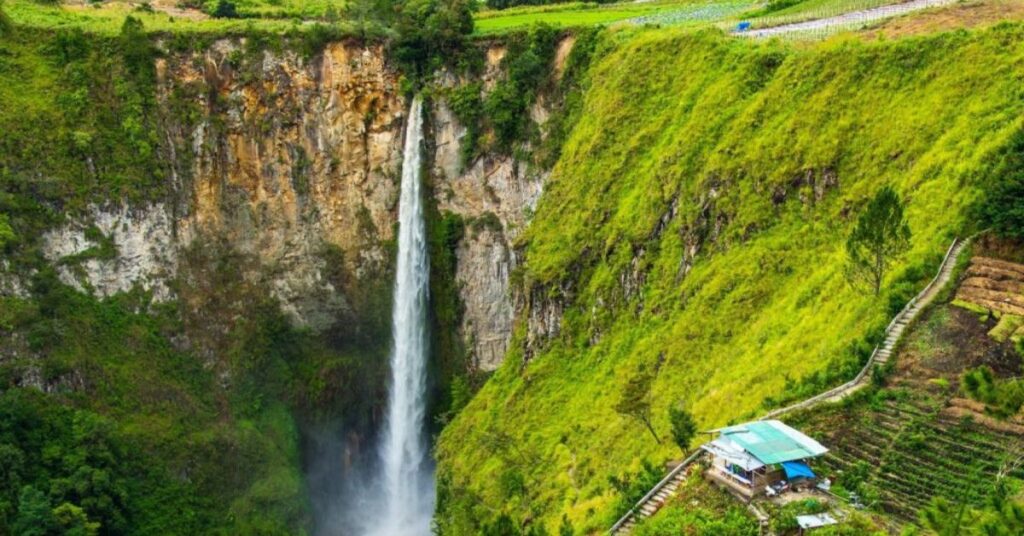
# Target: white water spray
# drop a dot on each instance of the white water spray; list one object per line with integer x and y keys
{"x": 407, "y": 480}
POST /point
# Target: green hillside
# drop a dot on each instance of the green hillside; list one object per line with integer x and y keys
{"x": 748, "y": 161}
{"x": 692, "y": 228}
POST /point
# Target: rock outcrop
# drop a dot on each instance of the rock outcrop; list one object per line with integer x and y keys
{"x": 292, "y": 163}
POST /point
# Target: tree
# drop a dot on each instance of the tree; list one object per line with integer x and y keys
{"x": 431, "y": 32}
{"x": 34, "y": 515}
{"x": 365, "y": 14}
{"x": 565, "y": 529}
{"x": 683, "y": 426}
{"x": 881, "y": 235}
{"x": 635, "y": 401}
{"x": 74, "y": 522}
{"x": 225, "y": 10}
{"x": 137, "y": 50}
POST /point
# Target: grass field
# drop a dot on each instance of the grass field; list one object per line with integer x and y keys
{"x": 107, "y": 19}
{"x": 289, "y": 15}
{"x": 814, "y": 9}
{"x": 280, "y": 16}
{"x": 586, "y": 14}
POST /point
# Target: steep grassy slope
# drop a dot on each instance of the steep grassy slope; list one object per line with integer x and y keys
{"x": 694, "y": 225}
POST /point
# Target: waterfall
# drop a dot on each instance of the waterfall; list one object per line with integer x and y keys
{"x": 406, "y": 478}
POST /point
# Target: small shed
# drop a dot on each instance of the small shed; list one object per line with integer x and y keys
{"x": 749, "y": 458}
{"x": 810, "y": 522}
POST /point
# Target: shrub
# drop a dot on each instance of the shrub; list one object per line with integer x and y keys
{"x": 7, "y": 235}
{"x": 1003, "y": 397}
{"x": 5, "y": 21}
{"x": 683, "y": 426}
{"x": 1002, "y": 205}
{"x": 528, "y": 62}
{"x": 225, "y": 10}
{"x": 467, "y": 105}
{"x": 634, "y": 485}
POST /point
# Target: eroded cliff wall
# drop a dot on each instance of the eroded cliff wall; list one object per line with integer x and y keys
{"x": 291, "y": 163}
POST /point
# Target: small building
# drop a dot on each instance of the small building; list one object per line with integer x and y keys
{"x": 809, "y": 522}
{"x": 757, "y": 457}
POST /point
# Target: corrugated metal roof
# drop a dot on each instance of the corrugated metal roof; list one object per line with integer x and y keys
{"x": 773, "y": 442}
{"x": 732, "y": 453}
{"x": 815, "y": 521}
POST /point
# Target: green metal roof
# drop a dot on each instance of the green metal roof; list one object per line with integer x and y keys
{"x": 773, "y": 442}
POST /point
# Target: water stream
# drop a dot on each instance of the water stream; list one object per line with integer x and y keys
{"x": 406, "y": 480}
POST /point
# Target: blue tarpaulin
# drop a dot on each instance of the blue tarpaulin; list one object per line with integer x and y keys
{"x": 797, "y": 470}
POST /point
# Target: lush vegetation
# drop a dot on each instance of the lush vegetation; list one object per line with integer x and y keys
{"x": 142, "y": 429}
{"x": 136, "y": 435}
{"x": 697, "y": 216}
{"x": 1003, "y": 397}
{"x": 107, "y": 20}
{"x": 1003, "y": 207}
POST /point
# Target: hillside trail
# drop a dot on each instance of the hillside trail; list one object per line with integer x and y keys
{"x": 852, "y": 19}
{"x": 663, "y": 490}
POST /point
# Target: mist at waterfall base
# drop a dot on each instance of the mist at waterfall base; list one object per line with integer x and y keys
{"x": 389, "y": 491}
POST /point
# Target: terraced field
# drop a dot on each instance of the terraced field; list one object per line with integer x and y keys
{"x": 916, "y": 438}
{"x": 913, "y": 451}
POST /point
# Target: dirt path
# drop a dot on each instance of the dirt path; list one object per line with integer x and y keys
{"x": 852, "y": 19}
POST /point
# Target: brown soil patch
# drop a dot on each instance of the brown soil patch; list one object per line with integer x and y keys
{"x": 994, "y": 284}
{"x": 169, "y": 7}
{"x": 988, "y": 245}
{"x": 966, "y": 15}
{"x": 1006, "y": 266}
{"x": 968, "y": 404}
{"x": 992, "y": 423}
{"x": 989, "y": 283}
{"x": 947, "y": 341}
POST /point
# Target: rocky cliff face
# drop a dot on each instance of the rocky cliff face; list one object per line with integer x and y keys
{"x": 291, "y": 164}
{"x": 495, "y": 195}
{"x": 283, "y": 160}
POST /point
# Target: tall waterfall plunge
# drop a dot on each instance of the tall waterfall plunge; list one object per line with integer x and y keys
{"x": 406, "y": 480}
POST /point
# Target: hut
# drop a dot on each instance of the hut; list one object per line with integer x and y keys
{"x": 761, "y": 457}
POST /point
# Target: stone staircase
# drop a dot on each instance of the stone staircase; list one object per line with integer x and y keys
{"x": 661, "y": 492}
{"x": 922, "y": 300}
{"x": 656, "y": 498}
